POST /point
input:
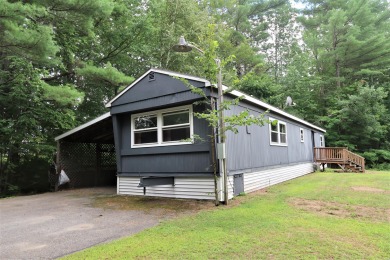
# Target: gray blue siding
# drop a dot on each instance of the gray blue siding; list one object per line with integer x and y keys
{"x": 177, "y": 160}
{"x": 163, "y": 91}
{"x": 250, "y": 150}
{"x": 163, "y": 160}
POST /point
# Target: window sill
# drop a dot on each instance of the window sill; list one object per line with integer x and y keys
{"x": 277, "y": 144}
{"x": 159, "y": 145}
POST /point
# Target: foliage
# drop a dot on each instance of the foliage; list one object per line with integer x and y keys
{"x": 261, "y": 86}
{"x": 109, "y": 80}
{"x": 344, "y": 79}
{"x": 269, "y": 224}
{"x": 378, "y": 159}
{"x": 41, "y": 45}
{"x": 212, "y": 65}
{"x": 364, "y": 109}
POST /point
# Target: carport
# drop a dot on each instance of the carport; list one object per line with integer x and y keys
{"x": 87, "y": 154}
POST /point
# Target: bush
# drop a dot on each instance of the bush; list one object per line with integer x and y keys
{"x": 29, "y": 177}
{"x": 378, "y": 159}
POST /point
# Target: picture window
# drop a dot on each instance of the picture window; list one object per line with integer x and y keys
{"x": 162, "y": 127}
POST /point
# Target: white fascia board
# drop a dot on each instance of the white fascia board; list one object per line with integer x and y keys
{"x": 74, "y": 130}
{"x": 166, "y": 72}
{"x": 181, "y": 75}
{"x": 272, "y": 108}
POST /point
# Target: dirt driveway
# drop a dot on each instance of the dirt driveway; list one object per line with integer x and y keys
{"x": 51, "y": 225}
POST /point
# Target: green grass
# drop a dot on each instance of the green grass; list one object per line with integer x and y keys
{"x": 268, "y": 225}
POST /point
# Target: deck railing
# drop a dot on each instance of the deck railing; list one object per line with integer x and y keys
{"x": 356, "y": 159}
{"x": 338, "y": 155}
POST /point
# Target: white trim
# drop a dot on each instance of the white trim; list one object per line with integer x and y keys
{"x": 322, "y": 141}
{"x": 279, "y": 143}
{"x": 272, "y": 108}
{"x": 160, "y": 127}
{"x": 74, "y": 130}
{"x": 166, "y": 72}
{"x": 302, "y": 134}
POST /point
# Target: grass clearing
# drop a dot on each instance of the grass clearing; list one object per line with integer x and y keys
{"x": 273, "y": 224}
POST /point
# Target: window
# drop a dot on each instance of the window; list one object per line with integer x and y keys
{"x": 278, "y": 132}
{"x": 321, "y": 141}
{"x": 145, "y": 129}
{"x": 302, "y": 134}
{"x": 162, "y": 127}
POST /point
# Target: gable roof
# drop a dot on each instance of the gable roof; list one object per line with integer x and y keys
{"x": 234, "y": 93}
{"x": 165, "y": 72}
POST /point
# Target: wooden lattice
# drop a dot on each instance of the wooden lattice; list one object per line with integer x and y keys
{"x": 88, "y": 164}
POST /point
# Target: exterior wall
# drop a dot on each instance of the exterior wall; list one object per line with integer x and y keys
{"x": 262, "y": 179}
{"x": 167, "y": 160}
{"x": 163, "y": 91}
{"x": 250, "y": 150}
{"x": 147, "y": 95}
{"x": 317, "y": 142}
{"x": 190, "y": 188}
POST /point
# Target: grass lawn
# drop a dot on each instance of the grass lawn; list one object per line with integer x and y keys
{"x": 322, "y": 215}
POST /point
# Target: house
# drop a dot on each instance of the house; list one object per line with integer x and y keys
{"x": 144, "y": 143}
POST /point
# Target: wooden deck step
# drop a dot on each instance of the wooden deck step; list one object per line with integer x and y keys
{"x": 348, "y": 161}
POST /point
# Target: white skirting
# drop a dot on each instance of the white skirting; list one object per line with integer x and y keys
{"x": 189, "y": 188}
{"x": 203, "y": 188}
{"x": 258, "y": 180}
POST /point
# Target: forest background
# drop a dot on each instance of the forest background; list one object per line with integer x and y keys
{"x": 62, "y": 60}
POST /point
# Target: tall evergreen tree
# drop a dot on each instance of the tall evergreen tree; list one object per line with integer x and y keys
{"x": 348, "y": 43}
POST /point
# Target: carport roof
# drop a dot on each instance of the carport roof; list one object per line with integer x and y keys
{"x": 98, "y": 130}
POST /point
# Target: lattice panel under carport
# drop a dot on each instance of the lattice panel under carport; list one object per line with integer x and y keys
{"x": 87, "y": 164}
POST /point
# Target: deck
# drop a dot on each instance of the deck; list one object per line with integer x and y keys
{"x": 347, "y": 160}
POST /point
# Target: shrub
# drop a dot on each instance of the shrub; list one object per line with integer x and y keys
{"x": 378, "y": 159}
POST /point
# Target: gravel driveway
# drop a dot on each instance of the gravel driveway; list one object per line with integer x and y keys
{"x": 51, "y": 225}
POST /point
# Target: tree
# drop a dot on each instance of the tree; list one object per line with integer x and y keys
{"x": 348, "y": 39}
{"x": 246, "y": 30}
{"x": 347, "y": 42}
{"x": 364, "y": 111}
{"x": 109, "y": 81}
{"x": 283, "y": 36}
{"x": 41, "y": 45}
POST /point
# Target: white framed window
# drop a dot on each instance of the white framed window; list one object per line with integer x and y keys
{"x": 162, "y": 127}
{"x": 321, "y": 141}
{"x": 278, "y": 132}
{"x": 302, "y": 134}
